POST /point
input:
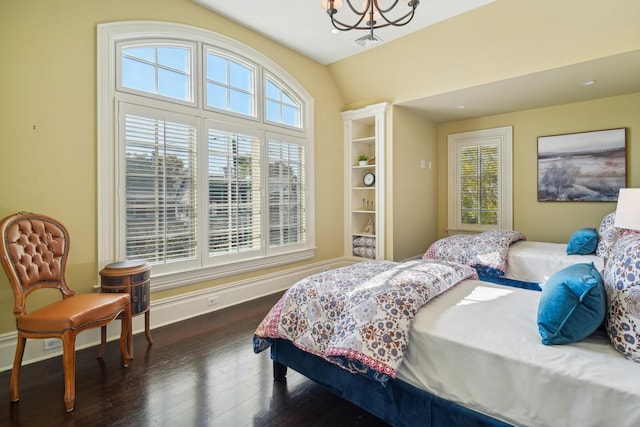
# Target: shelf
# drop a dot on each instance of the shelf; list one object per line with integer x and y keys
{"x": 368, "y": 139}
{"x": 364, "y": 214}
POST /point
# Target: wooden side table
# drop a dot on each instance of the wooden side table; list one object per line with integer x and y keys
{"x": 133, "y": 277}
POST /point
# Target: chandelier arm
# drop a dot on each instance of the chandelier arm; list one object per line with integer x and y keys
{"x": 379, "y": 9}
{"x": 398, "y": 22}
{"x": 341, "y": 26}
{"x": 370, "y": 24}
{"x": 357, "y": 12}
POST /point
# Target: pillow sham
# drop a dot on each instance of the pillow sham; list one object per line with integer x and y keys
{"x": 583, "y": 242}
{"x": 572, "y": 306}
{"x": 622, "y": 284}
{"x": 607, "y": 235}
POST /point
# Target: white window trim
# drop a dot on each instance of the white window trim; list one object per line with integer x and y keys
{"x": 503, "y": 136}
{"x": 194, "y": 90}
{"x": 109, "y": 220}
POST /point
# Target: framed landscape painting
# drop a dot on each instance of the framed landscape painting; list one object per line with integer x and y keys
{"x": 586, "y": 166}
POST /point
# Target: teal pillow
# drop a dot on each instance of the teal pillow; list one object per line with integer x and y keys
{"x": 583, "y": 242}
{"x": 572, "y": 306}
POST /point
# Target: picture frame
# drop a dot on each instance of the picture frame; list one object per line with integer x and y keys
{"x": 585, "y": 166}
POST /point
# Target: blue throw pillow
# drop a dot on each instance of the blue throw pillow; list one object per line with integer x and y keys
{"x": 572, "y": 305}
{"x": 583, "y": 242}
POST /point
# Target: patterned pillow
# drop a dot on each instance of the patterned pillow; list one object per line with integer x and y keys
{"x": 622, "y": 284}
{"x": 607, "y": 235}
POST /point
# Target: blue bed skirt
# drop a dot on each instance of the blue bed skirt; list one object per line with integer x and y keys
{"x": 399, "y": 403}
{"x": 509, "y": 282}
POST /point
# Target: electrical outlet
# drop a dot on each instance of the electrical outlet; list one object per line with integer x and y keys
{"x": 212, "y": 300}
{"x": 52, "y": 343}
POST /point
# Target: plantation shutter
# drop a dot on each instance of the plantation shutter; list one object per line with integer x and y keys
{"x": 286, "y": 193}
{"x": 479, "y": 185}
{"x": 234, "y": 181}
{"x": 160, "y": 181}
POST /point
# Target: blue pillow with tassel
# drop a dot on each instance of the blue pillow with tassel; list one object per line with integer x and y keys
{"x": 572, "y": 306}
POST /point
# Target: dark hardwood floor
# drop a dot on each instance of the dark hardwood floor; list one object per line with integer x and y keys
{"x": 199, "y": 372}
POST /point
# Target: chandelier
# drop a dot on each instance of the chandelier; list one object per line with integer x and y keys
{"x": 371, "y": 15}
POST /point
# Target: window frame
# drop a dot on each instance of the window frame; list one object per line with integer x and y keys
{"x": 194, "y": 91}
{"x": 283, "y": 87}
{"x": 503, "y": 138}
{"x": 257, "y": 78}
{"x": 110, "y": 219}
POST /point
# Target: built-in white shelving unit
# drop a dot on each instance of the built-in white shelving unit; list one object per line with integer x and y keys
{"x": 364, "y": 133}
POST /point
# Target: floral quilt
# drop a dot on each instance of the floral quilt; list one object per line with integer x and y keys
{"x": 487, "y": 252}
{"x": 358, "y": 316}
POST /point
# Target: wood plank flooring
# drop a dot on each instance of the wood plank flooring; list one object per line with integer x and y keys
{"x": 199, "y": 372}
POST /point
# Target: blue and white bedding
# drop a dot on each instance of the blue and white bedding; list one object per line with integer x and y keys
{"x": 358, "y": 316}
{"x": 488, "y": 252}
{"x": 508, "y": 255}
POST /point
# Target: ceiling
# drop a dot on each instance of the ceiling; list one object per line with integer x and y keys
{"x": 312, "y": 35}
{"x": 614, "y": 75}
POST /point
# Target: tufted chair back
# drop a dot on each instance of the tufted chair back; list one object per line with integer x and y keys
{"x": 34, "y": 254}
{"x": 33, "y": 251}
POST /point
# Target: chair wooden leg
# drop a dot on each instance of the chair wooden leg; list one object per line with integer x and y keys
{"x": 14, "y": 387}
{"x": 69, "y": 367}
{"x": 103, "y": 340}
{"x": 126, "y": 338}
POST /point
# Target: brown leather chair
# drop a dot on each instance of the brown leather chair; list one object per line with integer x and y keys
{"x": 34, "y": 250}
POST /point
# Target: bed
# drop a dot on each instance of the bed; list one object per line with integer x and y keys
{"x": 535, "y": 262}
{"x": 479, "y": 353}
{"x": 507, "y": 257}
{"x": 520, "y": 382}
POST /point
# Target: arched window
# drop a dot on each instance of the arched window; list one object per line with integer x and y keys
{"x": 205, "y": 154}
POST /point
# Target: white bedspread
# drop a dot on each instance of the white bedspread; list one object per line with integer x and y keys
{"x": 536, "y": 261}
{"x": 478, "y": 345}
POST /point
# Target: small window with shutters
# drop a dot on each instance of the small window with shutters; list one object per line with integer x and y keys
{"x": 480, "y": 180}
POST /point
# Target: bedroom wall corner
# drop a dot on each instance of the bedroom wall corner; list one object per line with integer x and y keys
{"x": 414, "y": 186}
{"x": 48, "y": 149}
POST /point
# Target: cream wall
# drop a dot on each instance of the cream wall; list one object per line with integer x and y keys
{"x": 48, "y": 110}
{"x": 413, "y": 191}
{"x": 501, "y": 40}
{"x": 550, "y": 221}
{"x": 48, "y": 129}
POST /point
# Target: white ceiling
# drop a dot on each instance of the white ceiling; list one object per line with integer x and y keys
{"x": 280, "y": 20}
{"x": 305, "y": 27}
{"x": 614, "y": 75}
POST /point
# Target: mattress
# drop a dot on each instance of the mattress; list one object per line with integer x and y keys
{"x": 536, "y": 261}
{"x": 478, "y": 345}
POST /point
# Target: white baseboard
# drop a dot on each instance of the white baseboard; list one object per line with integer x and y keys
{"x": 174, "y": 309}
